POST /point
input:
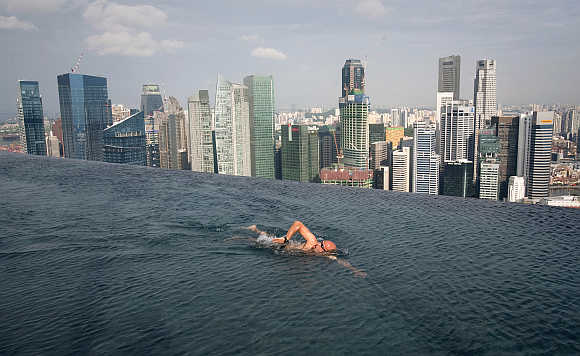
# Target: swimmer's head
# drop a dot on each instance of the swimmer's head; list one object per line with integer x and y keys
{"x": 327, "y": 246}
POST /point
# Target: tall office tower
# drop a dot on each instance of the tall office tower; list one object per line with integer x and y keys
{"x": 168, "y": 144}
{"x": 394, "y": 135}
{"x": 30, "y": 118}
{"x": 540, "y": 155}
{"x": 124, "y": 141}
{"x": 300, "y": 153}
{"x": 278, "y": 160}
{"x": 572, "y": 122}
{"x": 152, "y": 141}
{"x": 485, "y": 96}
{"x": 232, "y": 129}
{"x": 401, "y": 170}
{"x": 507, "y": 131}
{"x": 353, "y": 76}
{"x": 261, "y": 106}
{"x": 175, "y": 112}
{"x": 457, "y": 137}
{"x": 403, "y": 118}
{"x": 426, "y": 161}
{"x": 458, "y": 179}
{"x": 443, "y": 98}
{"x": 396, "y": 118}
{"x": 200, "y": 128}
{"x": 84, "y": 110}
{"x": 151, "y": 99}
{"x": 449, "y": 75}
{"x": 328, "y": 142}
{"x": 382, "y": 178}
{"x": 52, "y": 145}
{"x": 516, "y": 189}
{"x": 379, "y": 154}
{"x": 524, "y": 142}
{"x": 489, "y": 164}
{"x": 377, "y": 133}
{"x": 109, "y": 113}
{"x": 354, "y": 111}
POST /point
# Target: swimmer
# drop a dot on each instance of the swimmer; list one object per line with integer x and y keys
{"x": 324, "y": 247}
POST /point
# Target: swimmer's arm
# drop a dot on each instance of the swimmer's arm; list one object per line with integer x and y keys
{"x": 357, "y": 272}
{"x": 302, "y": 230}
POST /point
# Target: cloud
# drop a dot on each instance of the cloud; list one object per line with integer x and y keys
{"x": 112, "y": 16}
{"x": 269, "y": 53}
{"x": 251, "y": 38}
{"x": 12, "y": 23}
{"x": 370, "y": 8}
{"x": 125, "y": 43}
{"x": 29, "y": 6}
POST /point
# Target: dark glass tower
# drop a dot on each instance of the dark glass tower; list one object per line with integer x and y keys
{"x": 151, "y": 99}
{"x": 507, "y": 128}
{"x": 30, "y": 118}
{"x": 377, "y": 133}
{"x": 84, "y": 108}
{"x": 300, "y": 153}
{"x": 353, "y": 76}
{"x": 124, "y": 142}
{"x": 329, "y": 141}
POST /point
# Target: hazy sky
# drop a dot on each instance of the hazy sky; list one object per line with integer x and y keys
{"x": 182, "y": 45}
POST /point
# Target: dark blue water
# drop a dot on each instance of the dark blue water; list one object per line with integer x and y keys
{"x": 98, "y": 258}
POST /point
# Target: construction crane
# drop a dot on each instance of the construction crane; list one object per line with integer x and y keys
{"x": 75, "y": 68}
{"x": 339, "y": 154}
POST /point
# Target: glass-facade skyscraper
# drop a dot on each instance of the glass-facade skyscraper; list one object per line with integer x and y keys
{"x": 300, "y": 153}
{"x": 200, "y": 132}
{"x": 426, "y": 161}
{"x": 85, "y": 110}
{"x": 261, "y": 106}
{"x": 124, "y": 141}
{"x": 30, "y": 118}
{"x": 449, "y": 75}
{"x": 354, "y": 115}
{"x": 151, "y": 99}
{"x": 353, "y": 76}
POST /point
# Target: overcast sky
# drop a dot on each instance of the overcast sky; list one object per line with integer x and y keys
{"x": 183, "y": 45}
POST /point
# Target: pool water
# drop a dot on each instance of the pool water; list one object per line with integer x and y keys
{"x": 98, "y": 258}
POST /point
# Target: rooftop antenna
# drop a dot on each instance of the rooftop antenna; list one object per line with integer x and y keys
{"x": 75, "y": 68}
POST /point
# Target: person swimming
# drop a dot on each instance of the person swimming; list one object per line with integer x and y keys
{"x": 311, "y": 244}
{"x": 324, "y": 248}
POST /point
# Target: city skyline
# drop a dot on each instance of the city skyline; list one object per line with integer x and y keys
{"x": 271, "y": 41}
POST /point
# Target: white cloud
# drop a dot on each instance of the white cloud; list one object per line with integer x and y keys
{"x": 269, "y": 53}
{"x": 12, "y": 23}
{"x": 112, "y": 16}
{"x": 370, "y": 8}
{"x": 124, "y": 43}
{"x": 251, "y": 38}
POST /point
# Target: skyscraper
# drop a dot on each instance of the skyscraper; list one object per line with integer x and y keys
{"x": 449, "y": 75}
{"x": 457, "y": 137}
{"x": 151, "y": 99}
{"x": 507, "y": 130}
{"x": 152, "y": 141}
{"x": 124, "y": 141}
{"x": 328, "y": 146}
{"x": 516, "y": 189}
{"x": 300, "y": 153}
{"x": 84, "y": 108}
{"x": 261, "y": 114}
{"x": 200, "y": 127}
{"x": 353, "y": 77}
{"x": 485, "y": 97}
{"x": 379, "y": 154}
{"x": 232, "y": 129}
{"x": 354, "y": 109}
{"x": 401, "y": 170}
{"x": 458, "y": 179}
{"x": 178, "y": 131}
{"x": 540, "y": 155}
{"x": 168, "y": 142}
{"x": 489, "y": 164}
{"x": 30, "y": 118}
{"x": 376, "y": 133}
{"x": 426, "y": 161}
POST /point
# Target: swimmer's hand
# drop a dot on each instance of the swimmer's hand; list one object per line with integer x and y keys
{"x": 279, "y": 240}
{"x": 334, "y": 258}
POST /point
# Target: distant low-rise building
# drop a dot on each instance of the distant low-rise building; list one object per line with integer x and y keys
{"x": 347, "y": 176}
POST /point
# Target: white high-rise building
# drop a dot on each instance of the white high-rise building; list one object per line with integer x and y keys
{"x": 489, "y": 180}
{"x": 426, "y": 161}
{"x": 443, "y": 98}
{"x": 200, "y": 132}
{"x": 232, "y": 128}
{"x": 516, "y": 189}
{"x": 457, "y": 138}
{"x": 449, "y": 75}
{"x": 354, "y": 136}
{"x": 401, "y": 170}
{"x": 485, "y": 95}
